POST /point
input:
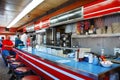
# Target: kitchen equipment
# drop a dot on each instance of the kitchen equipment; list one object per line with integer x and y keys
{"x": 86, "y": 58}
{"x": 77, "y": 55}
{"x": 58, "y": 38}
{"x": 65, "y": 40}
{"x": 82, "y": 52}
{"x": 116, "y": 51}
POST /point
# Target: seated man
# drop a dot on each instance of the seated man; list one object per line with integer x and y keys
{"x": 7, "y": 46}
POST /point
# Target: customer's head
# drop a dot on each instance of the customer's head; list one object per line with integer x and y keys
{"x": 18, "y": 36}
{"x": 2, "y": 38}
{"x": 7, "y": 37}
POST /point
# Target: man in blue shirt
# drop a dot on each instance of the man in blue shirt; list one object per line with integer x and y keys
{"x": 18, "y": 42}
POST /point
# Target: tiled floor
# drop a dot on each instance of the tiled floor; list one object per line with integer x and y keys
{"x": 3, "y": 70}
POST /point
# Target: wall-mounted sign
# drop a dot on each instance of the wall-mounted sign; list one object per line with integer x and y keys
{"x": 30, "y": 28}
{"x": 37, "y": 25}
{"x": 45, "y": 23}
{"x": 41, "y": 31}
{"x": 101, "y": 8}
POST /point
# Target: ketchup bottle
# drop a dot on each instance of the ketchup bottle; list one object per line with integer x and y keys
{"x": 102, "y": 55}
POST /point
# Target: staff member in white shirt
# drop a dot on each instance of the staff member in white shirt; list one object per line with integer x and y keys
{"x": 24, "y": 39}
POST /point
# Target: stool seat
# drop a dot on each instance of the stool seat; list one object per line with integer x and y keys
{"x": 16, "y": 63}
{"x": 22, "y": 69}
{"x": 31, "y": 77}
{"x": 10, "y": 56}
{"x": 11, "y": 59}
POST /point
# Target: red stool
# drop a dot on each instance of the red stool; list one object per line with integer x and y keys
{"x": 10, "y": 60}
{"x": 31, "y": 77}
{"x": 10, "y": 56}
{"x": 14, "y": 65}
{"x": 21, "y": 71}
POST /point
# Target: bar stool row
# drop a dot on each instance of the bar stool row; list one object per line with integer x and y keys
{"x": 20, "y": 71}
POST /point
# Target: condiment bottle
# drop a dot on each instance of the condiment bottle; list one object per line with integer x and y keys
{"x": 102, "y": 55}
{"x": 90, "y": 58}
{"x": 95, "y": 60}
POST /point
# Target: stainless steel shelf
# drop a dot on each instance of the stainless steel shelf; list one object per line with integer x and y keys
{"x": 58, "y": 47}
{"x": 96, "y": 35}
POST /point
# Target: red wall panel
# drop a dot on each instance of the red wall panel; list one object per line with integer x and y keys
{"x": 10, "y": 32}
{"x": 2, "y": 29}
{"x": 37, "y": 25}
{"x": 101, "y": 8}
{"x": 45, "y": 23}
{"x": 24, "y": 29}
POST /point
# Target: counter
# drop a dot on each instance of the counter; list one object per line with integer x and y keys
{"x": 71, "y": 69}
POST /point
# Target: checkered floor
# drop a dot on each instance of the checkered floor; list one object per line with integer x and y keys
{"x": 3, "y": 70}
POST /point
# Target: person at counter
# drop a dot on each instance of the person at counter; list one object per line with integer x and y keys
{"x": 1, "y": 44}
{"x": 7, "y": 46}
{"x": 1, "y": 41}
{"x": 24, "y": 38}
{"x": 18, "y": 42}
{"x": 29, "y": 43}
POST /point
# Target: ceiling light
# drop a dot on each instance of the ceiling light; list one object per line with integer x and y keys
{"x": 25, "y": 11}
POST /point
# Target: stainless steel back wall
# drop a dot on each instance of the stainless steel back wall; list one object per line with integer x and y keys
{"x": 97, "y": 43}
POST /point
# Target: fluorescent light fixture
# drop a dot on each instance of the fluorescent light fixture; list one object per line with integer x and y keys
{"x": 25, "y": 11}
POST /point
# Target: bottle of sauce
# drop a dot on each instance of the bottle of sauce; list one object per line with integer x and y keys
{"x": 91, "y": 29}
{"x": 102, "y": 55}
{"x": 95, "y": 60}
{"x": 90, "y": 58}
